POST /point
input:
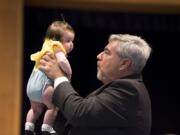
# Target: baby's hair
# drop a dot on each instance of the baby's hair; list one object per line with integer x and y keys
{"x": 62, "y": 17}
{"x": 56, "y": 30}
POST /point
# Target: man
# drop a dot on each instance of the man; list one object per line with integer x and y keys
{"x": 121, "y": 106}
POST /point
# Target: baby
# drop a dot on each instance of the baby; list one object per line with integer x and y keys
{"x": 59, "y": 40}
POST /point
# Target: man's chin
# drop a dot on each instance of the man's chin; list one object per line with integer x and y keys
{"x": 99, "y": 76}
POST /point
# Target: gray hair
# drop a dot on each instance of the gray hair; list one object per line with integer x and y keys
{"x": 134, "y": 48}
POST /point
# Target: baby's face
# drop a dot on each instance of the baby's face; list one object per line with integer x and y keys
{"x": 67, "y": 40}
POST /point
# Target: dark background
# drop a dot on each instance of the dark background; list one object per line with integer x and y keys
{"x": 161, "y": 31}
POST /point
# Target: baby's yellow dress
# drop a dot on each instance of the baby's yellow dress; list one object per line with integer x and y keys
{"x": 48, "y": 46}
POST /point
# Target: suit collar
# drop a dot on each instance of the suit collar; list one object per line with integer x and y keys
{"x": 132, "y": 76}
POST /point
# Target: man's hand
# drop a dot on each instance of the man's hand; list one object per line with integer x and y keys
{"x": 49, "y": 65}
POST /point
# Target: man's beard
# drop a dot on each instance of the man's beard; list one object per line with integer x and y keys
{"x": 98, "y": 75}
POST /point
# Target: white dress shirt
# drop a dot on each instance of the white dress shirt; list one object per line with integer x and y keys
{"x": 60, "y": 80}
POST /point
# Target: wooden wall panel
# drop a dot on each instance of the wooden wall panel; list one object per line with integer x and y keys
{"x": 148, "y": 6}
{"x": 11, "y": 66}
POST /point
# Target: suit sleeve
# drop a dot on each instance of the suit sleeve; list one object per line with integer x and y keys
{"x": 112, "y": 105}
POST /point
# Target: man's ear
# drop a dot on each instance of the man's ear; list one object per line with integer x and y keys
{"x": 125, "y": 63}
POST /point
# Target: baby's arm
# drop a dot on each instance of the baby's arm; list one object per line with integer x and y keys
{"x": 64, "y": 63}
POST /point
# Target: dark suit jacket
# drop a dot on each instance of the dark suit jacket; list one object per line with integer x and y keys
{"x": 121, "y": 107}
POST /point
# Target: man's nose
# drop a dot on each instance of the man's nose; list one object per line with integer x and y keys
{"x": 99, "y": 56}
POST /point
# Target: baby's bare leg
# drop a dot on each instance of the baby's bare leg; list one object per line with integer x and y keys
{"x": 51, "y": 111}
{"x": 33, "y": 114}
